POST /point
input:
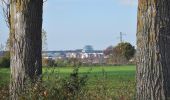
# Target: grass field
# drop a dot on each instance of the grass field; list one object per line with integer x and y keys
{"x": 4, "y": 76}
{"x": 105, "y": 82}
{"x": 114, "y": 74}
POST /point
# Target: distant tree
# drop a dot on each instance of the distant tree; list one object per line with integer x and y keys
{"x": 117, "y": 56}
{"x": 7, "y": 46}
{"x": 108, "y": 50}
{"x": 44, "y": 40}
{"x": 120, "y": 54}
{"x": 48, "y": 62}
{"x": 73, "y": 62}
{"x": 1, "y": 47}
{"x": 61, "y": 63}
{"x": 126, "y": 49}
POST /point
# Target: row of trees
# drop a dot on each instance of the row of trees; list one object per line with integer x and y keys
{"x": 69, "y": 62}
{"x": 153, "y": 55}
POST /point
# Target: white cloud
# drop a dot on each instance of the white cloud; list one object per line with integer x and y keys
{"x": 129, "y": 2}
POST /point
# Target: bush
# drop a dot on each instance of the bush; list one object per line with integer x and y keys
{"x": 69, "y": 62}
{"x": 48, "y": 62}
{"x": 55, "y": 88}
{"x": 5, "y": 60}
{"x": 61, "y": 63}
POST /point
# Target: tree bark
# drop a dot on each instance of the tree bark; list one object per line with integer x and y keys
{"x": 153, "y": 50}
{"x": 25, "y": 43}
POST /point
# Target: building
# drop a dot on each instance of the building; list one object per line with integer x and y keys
{"x": 86, "y": 55}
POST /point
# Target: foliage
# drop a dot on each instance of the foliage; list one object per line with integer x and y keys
{"x": 61, "y": 63}
{"x": 70, "y": 62}
{"x": 126, "y": 49}
{"x": 5, "y": 60}
{"x": 74, "y": 62}
{"x": 48, "y": 62}
{"x": 108, "y": 50}
{"x": 120, "y": 54}
{"x": 44, "y": 40}
{"x": 55, "y": 87}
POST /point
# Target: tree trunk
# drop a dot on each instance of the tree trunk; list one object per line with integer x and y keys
{"x": 153, "y": 50}
{"x": 25, "y": 43}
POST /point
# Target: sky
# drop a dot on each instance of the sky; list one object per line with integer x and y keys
{"x": 72, "y": 24}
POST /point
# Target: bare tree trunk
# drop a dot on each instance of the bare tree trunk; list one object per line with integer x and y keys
{"x": 25, "y": 43}
{"x": 153, "y": 50}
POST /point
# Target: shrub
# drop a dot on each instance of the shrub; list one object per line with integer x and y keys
{"x": 61, "y": 63}
{"x": 55, "y": 88}
{"x": 48, "y": 62}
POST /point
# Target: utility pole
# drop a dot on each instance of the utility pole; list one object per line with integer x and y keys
{"x": 121, "y": 37}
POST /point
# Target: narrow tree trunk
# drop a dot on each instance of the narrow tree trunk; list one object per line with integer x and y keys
{"x": 153, "y": 50}
{"x": 25, "y": 43}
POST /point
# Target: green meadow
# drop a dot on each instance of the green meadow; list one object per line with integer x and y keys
{"x": 114, "y": 75}
{"x": 101, "y": 82}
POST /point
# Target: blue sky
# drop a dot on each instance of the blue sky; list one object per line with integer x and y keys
{"x": 71, "y": 24}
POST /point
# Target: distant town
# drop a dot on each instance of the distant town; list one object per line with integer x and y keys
{"x": 85, "y": 55}
{"x": 122, "y": 53}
